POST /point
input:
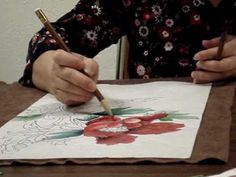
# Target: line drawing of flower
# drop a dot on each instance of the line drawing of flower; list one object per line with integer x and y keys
{"x": 124, "y": 127}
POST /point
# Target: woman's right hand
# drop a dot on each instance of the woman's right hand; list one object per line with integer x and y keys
{"x": 59, "y": 73}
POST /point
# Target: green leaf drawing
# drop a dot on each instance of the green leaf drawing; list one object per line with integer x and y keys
{"x": 28, "y": 117}
{"x": 88, "y": 117}
{"x": 65, "y": 134}
{"x": 29, "y": 114}
{"x": 125, "y": 111}
{"x": 117, "y": 112}
{"x": 174, "y": 115}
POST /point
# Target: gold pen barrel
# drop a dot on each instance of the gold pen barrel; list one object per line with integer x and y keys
{"x": 41, "y": 15}
{"x": 39, "y": 12}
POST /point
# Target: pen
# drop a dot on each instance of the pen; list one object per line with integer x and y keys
{"x": 63, "y": 46}
{"x": 221, "y": 45}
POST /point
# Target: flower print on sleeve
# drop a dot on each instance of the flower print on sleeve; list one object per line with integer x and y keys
{"x": 154, "y": 29}
{"x": 41, "y": 42}
{"x": 87, "y": 29}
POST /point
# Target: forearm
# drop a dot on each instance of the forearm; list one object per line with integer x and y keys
{"x": 84, "y": 32}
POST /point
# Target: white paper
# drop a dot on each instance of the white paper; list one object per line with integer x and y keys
{"x": 48, "y": 129}
{"x": 228, "y": 173}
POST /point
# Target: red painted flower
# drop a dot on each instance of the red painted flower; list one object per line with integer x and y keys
{"x": 157, "y": 128}
{"x": 112, "y": 130}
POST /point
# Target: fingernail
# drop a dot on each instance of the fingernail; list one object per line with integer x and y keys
{"x": 88, "y": 70}
{"x": 196, "y": 57}
{"x": 204, "y": 42}
{"x": 193, "y": 74}
{"x": 92, "y": 86}
{"x": 198, "y": 65}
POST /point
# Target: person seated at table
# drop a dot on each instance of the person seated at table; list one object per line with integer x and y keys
{"x": 168, "y": 38}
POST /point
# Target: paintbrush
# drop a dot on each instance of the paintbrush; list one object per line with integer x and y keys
{"x": 63, "y": 46}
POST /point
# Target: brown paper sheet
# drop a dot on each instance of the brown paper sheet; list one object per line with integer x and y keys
{"x": 212, "y": 140}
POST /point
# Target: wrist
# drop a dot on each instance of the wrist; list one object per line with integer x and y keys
{"x": 42, "y": 71}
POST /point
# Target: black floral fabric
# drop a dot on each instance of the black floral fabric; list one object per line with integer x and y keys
{"x": 164, "y": 35}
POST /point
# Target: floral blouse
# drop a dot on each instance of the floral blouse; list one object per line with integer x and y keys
{"x": 163, "y": 34}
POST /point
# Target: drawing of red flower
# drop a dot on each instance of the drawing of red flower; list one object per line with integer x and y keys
{"x": 112, "y": 130}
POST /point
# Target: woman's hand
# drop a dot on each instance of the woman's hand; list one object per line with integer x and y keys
{"x": 209, "y": 69}
{"x": 59, "y": 73}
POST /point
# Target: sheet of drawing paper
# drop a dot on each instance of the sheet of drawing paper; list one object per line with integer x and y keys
{"x": 158, "y": 119}
{"x": 228, "y": 173}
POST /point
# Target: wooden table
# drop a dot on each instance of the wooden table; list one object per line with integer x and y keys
{"x": 9, "y": 97}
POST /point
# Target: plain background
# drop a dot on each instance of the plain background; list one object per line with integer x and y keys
{"x": 18, "y": 24}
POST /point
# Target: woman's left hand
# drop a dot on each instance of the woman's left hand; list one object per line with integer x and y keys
{"x": 209, "y": 69}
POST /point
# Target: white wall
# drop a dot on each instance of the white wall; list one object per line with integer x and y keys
{"x": 18, "y": 23}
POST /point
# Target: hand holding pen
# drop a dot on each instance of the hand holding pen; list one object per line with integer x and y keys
{"x": 73, "y": 77}
{"x": 217, "y": 61}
